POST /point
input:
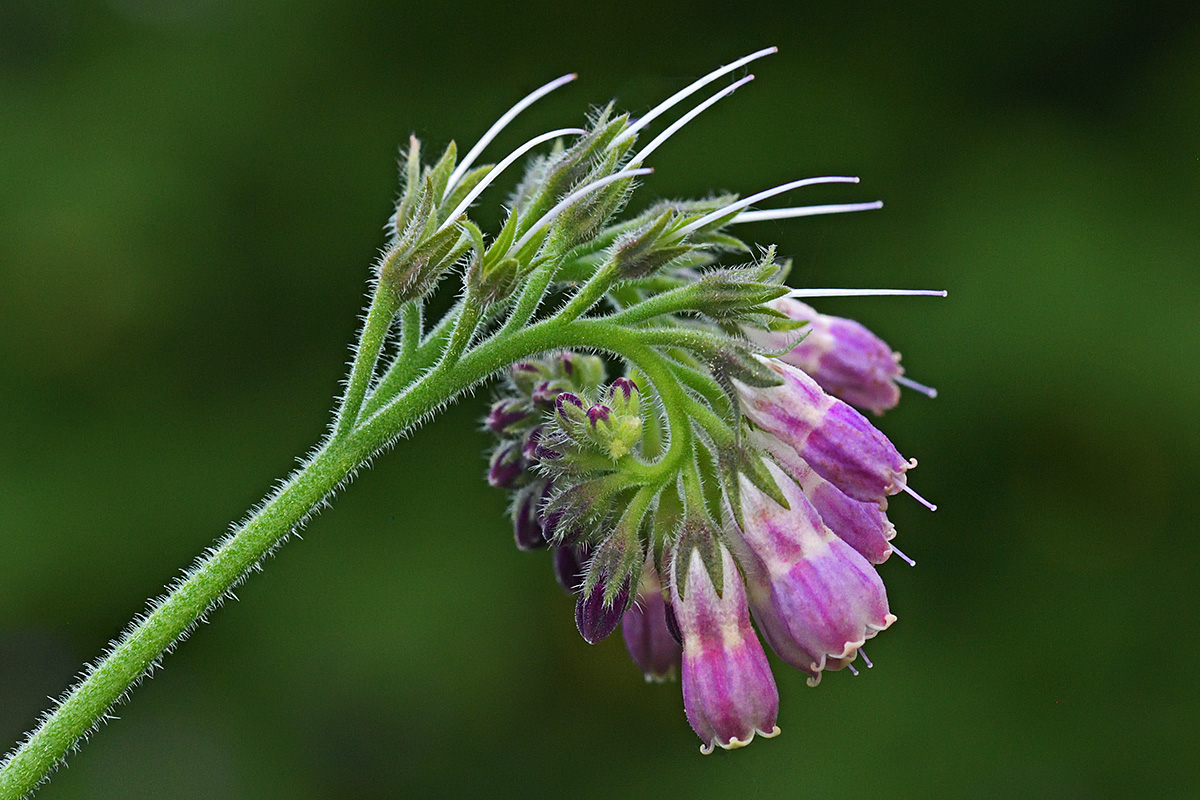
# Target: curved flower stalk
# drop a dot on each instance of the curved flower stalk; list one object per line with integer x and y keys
{"x": 658, "y": 418}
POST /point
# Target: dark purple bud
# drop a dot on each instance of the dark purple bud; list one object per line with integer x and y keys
{"x": 569, "y": 567}
{"x": 525, "y": 376}
{"x": 564, "y": 398}
{"x": 543, "y": 453}
{"x": 530, "y": 443}
{"x": 544, "y": 394}
{"x": 506, "y": 466}
{"x": 566, "y": 360}
{"x": 649, "y": 641}
{"x": 596, "y": 620}
{"x": 623, "y": 385}
{"x": 598, "y": 413}
{"x": 527, "y": 531}
{"x": 505, "y": 414}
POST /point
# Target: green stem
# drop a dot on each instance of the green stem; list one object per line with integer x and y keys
{"x": 590, "y": 293}
{"x": 370, "y": 342}
{"x": 175, "y": 614}
{"x": 411, "y": 322}
{"x": 405, "y": 368}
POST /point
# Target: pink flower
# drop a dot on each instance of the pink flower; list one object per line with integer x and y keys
{"x": 729, "y": 694}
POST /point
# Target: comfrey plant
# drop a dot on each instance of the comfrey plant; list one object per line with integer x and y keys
{"x": 680, "y": 434}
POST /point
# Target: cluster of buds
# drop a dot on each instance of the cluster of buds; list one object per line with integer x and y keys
{"x": 726, "y": 487}
{"x": 562, "y": 438}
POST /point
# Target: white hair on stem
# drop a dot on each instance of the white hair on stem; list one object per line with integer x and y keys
{"x": 499, "y": 125}
{"x": 802, "y": 211}
{"x": 503, "y": 165}
{"x": 688, "y": 117}
{"x": 763, "y": 195}
{"x": 573, "y": 198}
{"x": 686, "y": 92}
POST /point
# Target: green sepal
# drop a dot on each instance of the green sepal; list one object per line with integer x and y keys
{"x": 738, "y": 459}
{"x": 697, "y": 533}
{"x": 440, "y": 173}
{"x": 412, "y": 180}
{"x": 619, "y": 558}
{"x": 719, "y": 241}
{"x": 465, "y": 184}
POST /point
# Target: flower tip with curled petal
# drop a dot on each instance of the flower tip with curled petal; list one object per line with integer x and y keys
{"x": 735, "y": 743}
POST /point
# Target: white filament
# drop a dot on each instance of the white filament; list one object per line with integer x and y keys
{"x": 919, "y": 499}
{"x": 928, "y": 391}
{"x": 686, "y": 92}
{"x": 865, "y": 292}
{"x": 763, "y": 195}
{"x": 478, "y": 188}
{"x": 688, "y": 117}
{"x": 802, "y": 211}
{"x": 573, "y": 198}
{"x": 499, "y": 125}
{"x": 866, "y": 660}
{"x": 903, "y": 557}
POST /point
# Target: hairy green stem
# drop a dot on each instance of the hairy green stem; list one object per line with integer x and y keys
{"x": 175, "y": 614}
{"x": 366, "y": 354}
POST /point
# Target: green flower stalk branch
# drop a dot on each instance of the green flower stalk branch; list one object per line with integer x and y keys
{"x": 721, "y": 475}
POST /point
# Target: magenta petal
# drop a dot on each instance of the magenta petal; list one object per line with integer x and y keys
{"x": 729, "y": 694}
{"x": 649, "y": 642}
{"x": 835, "y": 440}
{"x": 815, "y": 598}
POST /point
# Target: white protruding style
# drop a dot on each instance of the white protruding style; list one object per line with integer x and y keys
{"x": 802, "y": 211}
{"x": 573, "y": 198}
{"x": 686, "y": 92}
{"x": 928, "y": 391}
{"x": 499, "y": 125}
{"x": 763, "y": 195}
{"x": 903, "y": 557}
{"x": 688, "y": 117}
{"x": 909, "y": 490}
{"x": 478, "y": 188}
{"x": 865, "y": 292}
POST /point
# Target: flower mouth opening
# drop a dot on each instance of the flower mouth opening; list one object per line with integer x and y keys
{"x": 735, "y": 743}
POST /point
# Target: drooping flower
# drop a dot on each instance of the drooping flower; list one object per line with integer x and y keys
{"x": 835, "y": 440}
{"x": 649, "y": 642}
{"x": 815, "y": 598}
{"x": 729, "y": 694}
{"x": 841, "y": 355}
{"x": 862, "y": 525}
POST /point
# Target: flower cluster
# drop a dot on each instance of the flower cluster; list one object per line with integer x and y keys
{"x": 725, "y": 480}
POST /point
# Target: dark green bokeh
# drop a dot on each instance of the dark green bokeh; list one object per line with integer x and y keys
{"x": 191, "y": 194}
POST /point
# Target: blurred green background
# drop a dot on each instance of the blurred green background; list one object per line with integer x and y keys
{"x": 191, "y": 193}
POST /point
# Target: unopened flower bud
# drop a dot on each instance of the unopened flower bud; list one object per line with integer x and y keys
{"x": 506, "y": 416}
{"x": 644, "y": 627}
{"x": 570, "y": 566}
{"x": 526, "y": 375}
{"x": 597, "y": 414}
{"x": 529, "y": 444}
{"x": 569, "y": 408}
{"x": 545, "y": 393}
{"x": 506, "y": 466}
{"x": 527, "y": 529}
{"x": 595, "y": 616}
